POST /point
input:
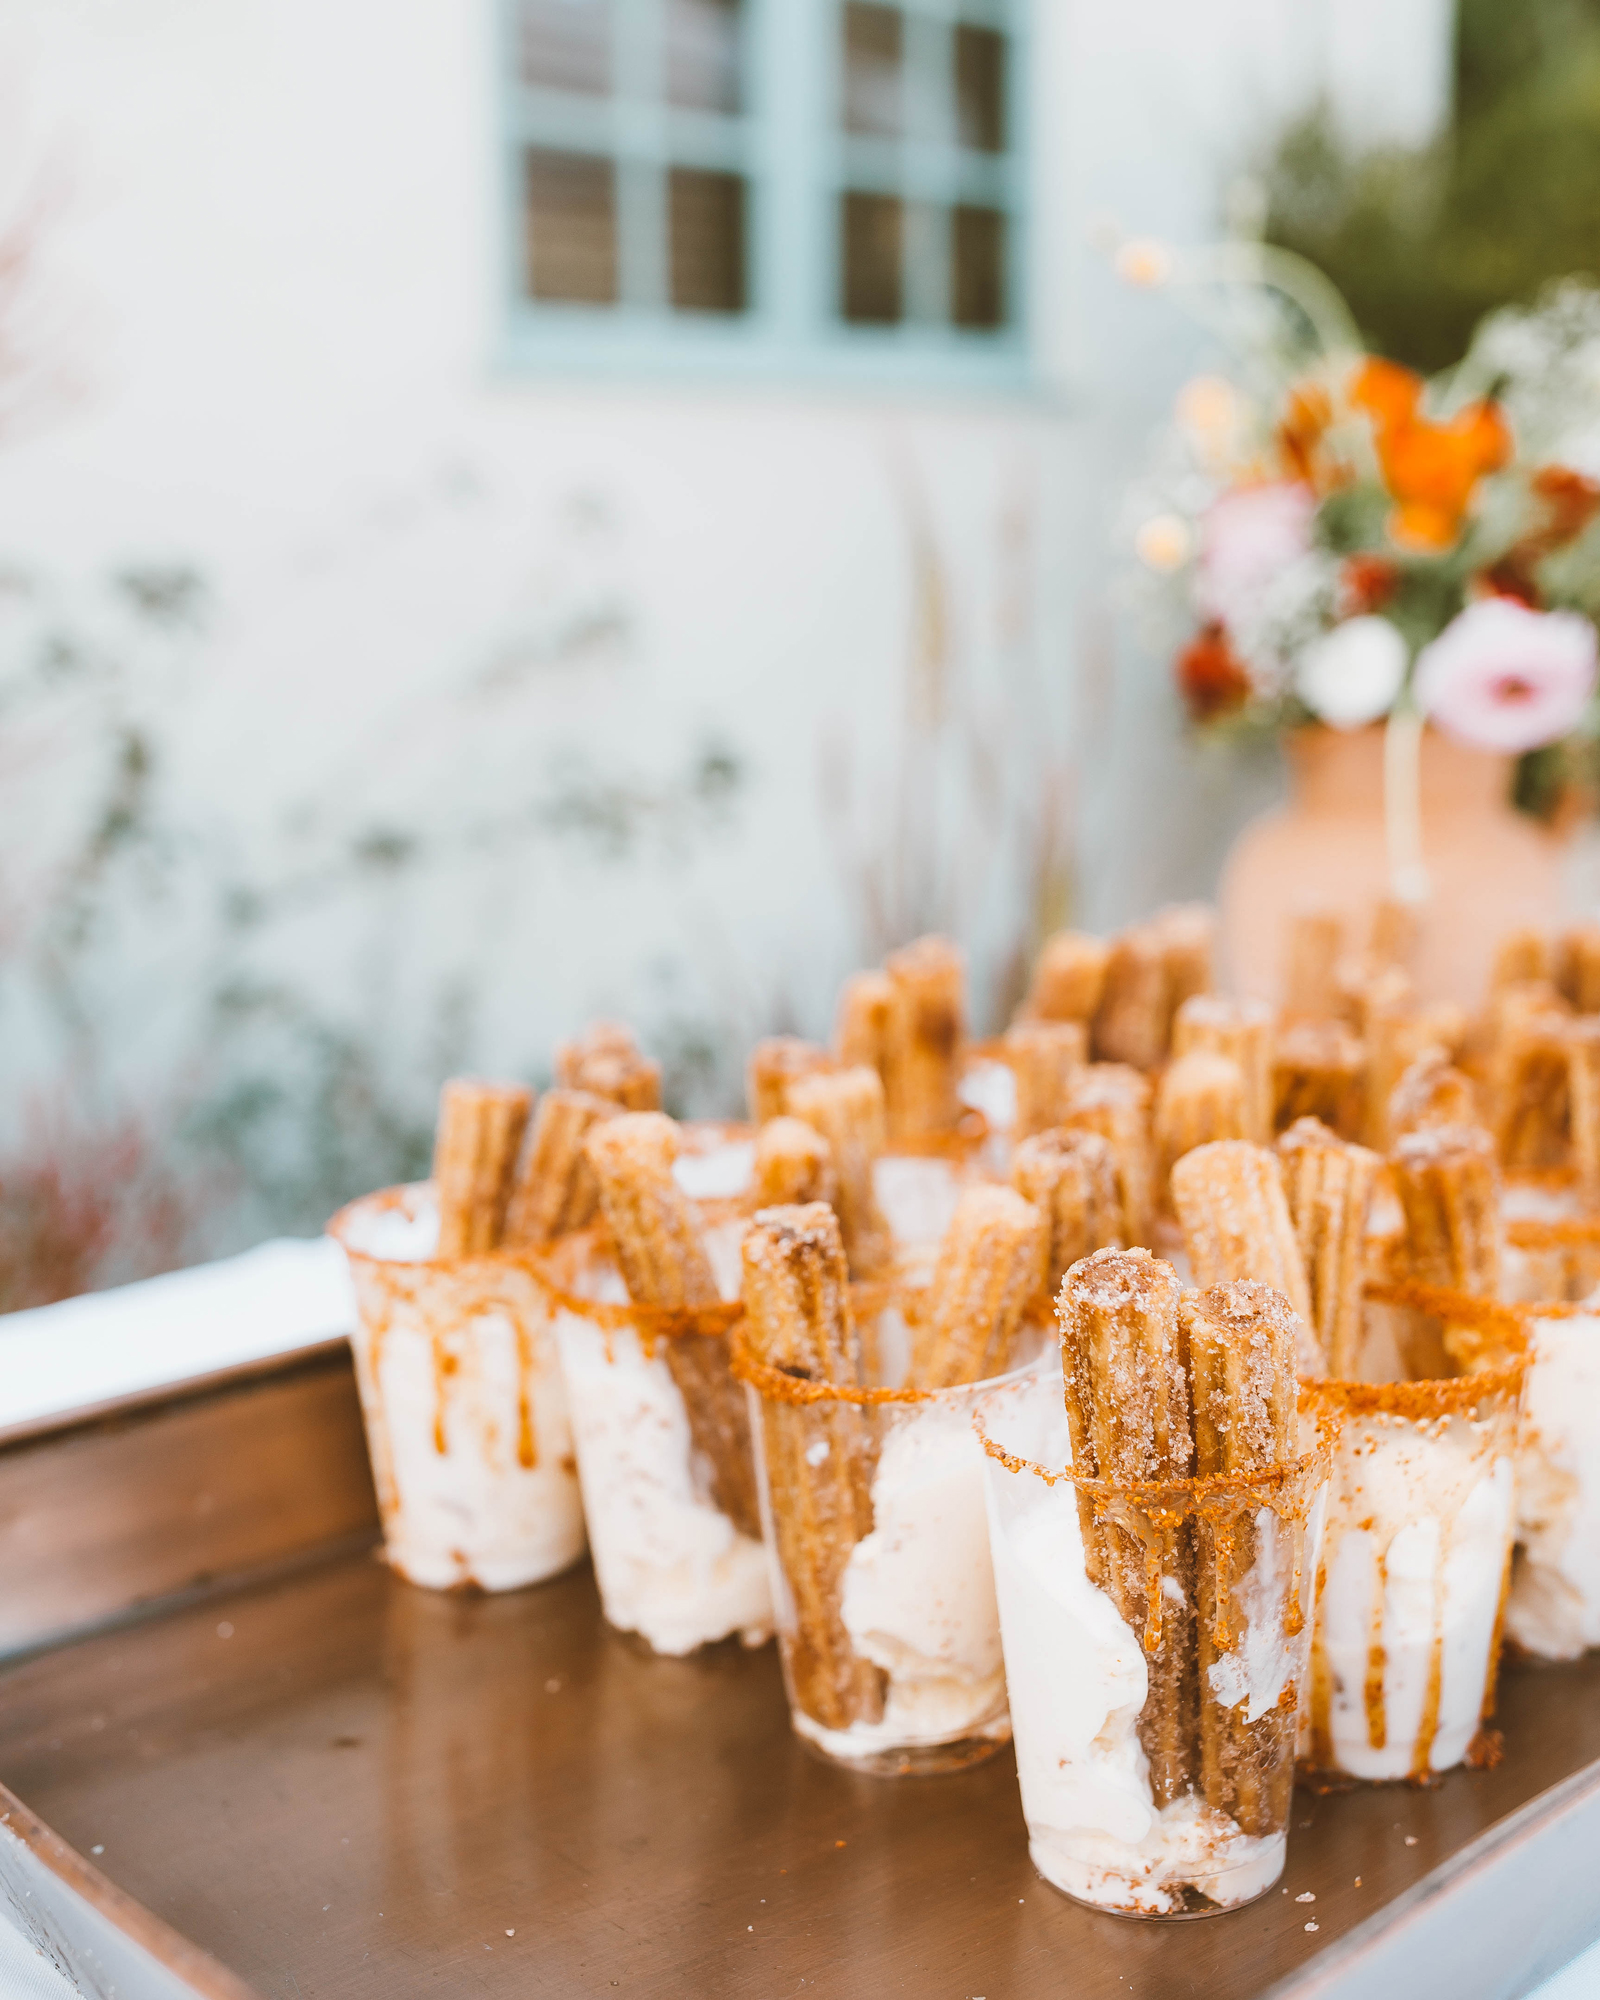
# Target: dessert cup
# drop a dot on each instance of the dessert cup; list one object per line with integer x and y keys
{"x": 1417, "y": 1555}
{"x": 1155, "y": 1751}
{"x": 1554, "y": 1607}
{"x": 463, "y": 1401}
{"x": 671, "y": 1563}
{"x": 872, "y": 1509}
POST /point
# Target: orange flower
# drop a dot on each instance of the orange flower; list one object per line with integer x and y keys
{"x": 1306, "y": 417}
{"x": 1431, "y": 469}
{"x": 1211, "y": 677}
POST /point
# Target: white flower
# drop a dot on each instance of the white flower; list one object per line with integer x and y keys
{"x": 1351, "y": 675}
{"x": 1246, "y": 539}
{"x": 1503, "y": 677}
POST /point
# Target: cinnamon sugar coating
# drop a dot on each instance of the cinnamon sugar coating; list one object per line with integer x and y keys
{"x": 555, "y": 1190}
{"x": 1200, "y": 1098}
{"x": 774, "y": 1064}
{"x": 926, "y": 1038}
{"x": 606, "y": 1060}
{"x": 664, "y": 1264}
{"x": 1044, "y": 1057}
{"x": 1329, "y": 1186}
{"x": 1113, "y": 1100}
{"x": 1069, "y": 978}
{"x": 1235, "y": 1219}
{"x": 797, "y": 1318}
{"x": 846, "y": 1108}
{"x": 1244, "y": 1031}
{"x": 474, "y": 1157}
{"x": 991, "y": 1268}
{"x": 794, "y": 1164}
{"x": 1318, "y": 1071}
{"x": 1071, "y": 1178}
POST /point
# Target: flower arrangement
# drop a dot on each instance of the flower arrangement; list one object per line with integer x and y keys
{"x": 1349, "y": 543}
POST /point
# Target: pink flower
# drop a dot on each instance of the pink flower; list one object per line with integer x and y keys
{"x": 1503, "y": 677}
{"x": 1246, "y": 538}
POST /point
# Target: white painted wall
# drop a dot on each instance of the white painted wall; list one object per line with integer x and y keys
{"x": 438, "y": 591}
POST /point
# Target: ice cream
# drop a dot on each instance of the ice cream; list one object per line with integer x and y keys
{"x": 1077, "y": 1682}
{"x": 1419, "y": 1535}
{"x": 465, "y": 1407}
{"x": 1554, "y": 1609}
{"x": 670, "y": 1565}
{"x": 918, "y": 1596}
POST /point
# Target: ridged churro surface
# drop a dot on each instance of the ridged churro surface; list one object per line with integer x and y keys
{"x": 1242, "y": 1030}
{"x": 1200, "y": 1098}
{"x": 774, "y": 1064}
{"x": 1329, "y": 1184}
{"x": 556, "y": 1191}
{"x": 474, "y": 1157}
{"x": 846, "y": 1107}
{"x": 1044, "y": 1057}
{"x": 926, "y": 1038}
{"x": 817, "y": 1456}
{"x": 1230, "y": 1204}
{"x": 1069, "y": 977}
{"x": 794, "y": 1164}
{"x": 1071, "y": 1178}
{"x": 1113, "y": 1100}
{"x": 991, "y": 1268}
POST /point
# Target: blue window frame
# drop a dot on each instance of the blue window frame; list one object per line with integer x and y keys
{"x": 758, "y": 186}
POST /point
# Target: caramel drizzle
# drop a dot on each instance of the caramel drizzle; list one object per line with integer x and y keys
{"x": 1377, "y": 1659}
{"x": 1321, "y": 1693}
{"x": 1428, "y": 1726}
{"x": 527, "y": 1445}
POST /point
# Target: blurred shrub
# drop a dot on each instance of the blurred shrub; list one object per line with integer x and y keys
{"x": 1423, "y": 242}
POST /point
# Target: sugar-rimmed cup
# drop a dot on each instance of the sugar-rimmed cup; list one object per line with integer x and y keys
{"x": 1417, "y": 1556}
{"x": 1154, "y": 1709}
{"x": 463, "y": 1401}
{"x": 872, "y": 1504}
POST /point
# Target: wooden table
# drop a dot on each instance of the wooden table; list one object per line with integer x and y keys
{"x": 343, "y": 1786}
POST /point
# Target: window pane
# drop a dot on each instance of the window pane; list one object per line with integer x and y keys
{"x": 871, "y": 226}
{"x": 872, "y": 49}
{"x": 980, "y": 65}
{"x": 977, "y": 267}
{"x": 566, "y": 44}
{"x": 703, "y": 54}
{"x": 707, "y": 240}
{"x": 572, "y": 227}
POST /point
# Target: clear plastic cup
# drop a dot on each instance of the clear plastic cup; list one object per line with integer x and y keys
{"x": 463, "y": 1400}
{"x": 872, "y": 1505}
{"x": 1417, "y": 1556}
{"x": 673, "y": 1523}
{"x": 1554, "y": 1607}
{"x": 1154, "y": 1710}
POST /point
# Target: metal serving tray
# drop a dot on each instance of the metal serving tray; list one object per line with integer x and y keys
{"x": 323, "y": 1782}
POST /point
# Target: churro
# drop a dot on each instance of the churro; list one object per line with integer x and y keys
{"x": 1044, "y": 1057}
{"x": 1328, "y": 1184}
{"x": 861, "y": 1029}
{"x": 1235, "y": 1219}
{"x": 1448, "y": 1181}
{"x": 1187, "y": 934}
{"x": 991, "y": 1267}
{"x": 1318, "y": 1069}
{"x": 1243, "y": 1031}
{"x": 1583, "y": 1090}
{"x": 606, "y": 1060}
{"x": 1393, "y": 939}
{"x": 1241, "y": 1341}
{"x": 1520, "y": 956}
{"x": 1311, "y": 965}
{"x": 1577, "y": 967}
{"x": 1200, "y": 1097}
{"x": 1133, "y": 1022}
{"x": 1431, "y": 1091}
{"x": 1528, "y": 1075}
{"x": 555, "y": 1190}
{"x": 1127, "y": 1395}
{"x": 1069, "y": 978}
{"x": 797, "y": 1318}
{"x": 774, "y": 1064}
{"x": 1114, "y": 1101}
{"x": 1071, "y": 1178}
{"x": 794, "y": 1165}
{"x": 474, "y": 1157}
{"x": 926, "y": 1038}
{"x": 846, "y": 1107}
{"x": 664, "y": 1265}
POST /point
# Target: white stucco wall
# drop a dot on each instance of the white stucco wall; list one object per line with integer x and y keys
{"x": 442, "y": 595}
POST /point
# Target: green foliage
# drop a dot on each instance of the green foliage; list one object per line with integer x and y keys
{"x": 1424, "y": 242}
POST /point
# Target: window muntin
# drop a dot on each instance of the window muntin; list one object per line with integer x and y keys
{"x": 801, "y": 178}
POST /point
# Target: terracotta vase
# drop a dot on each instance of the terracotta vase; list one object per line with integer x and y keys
{"x": 1490, "y": 868}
